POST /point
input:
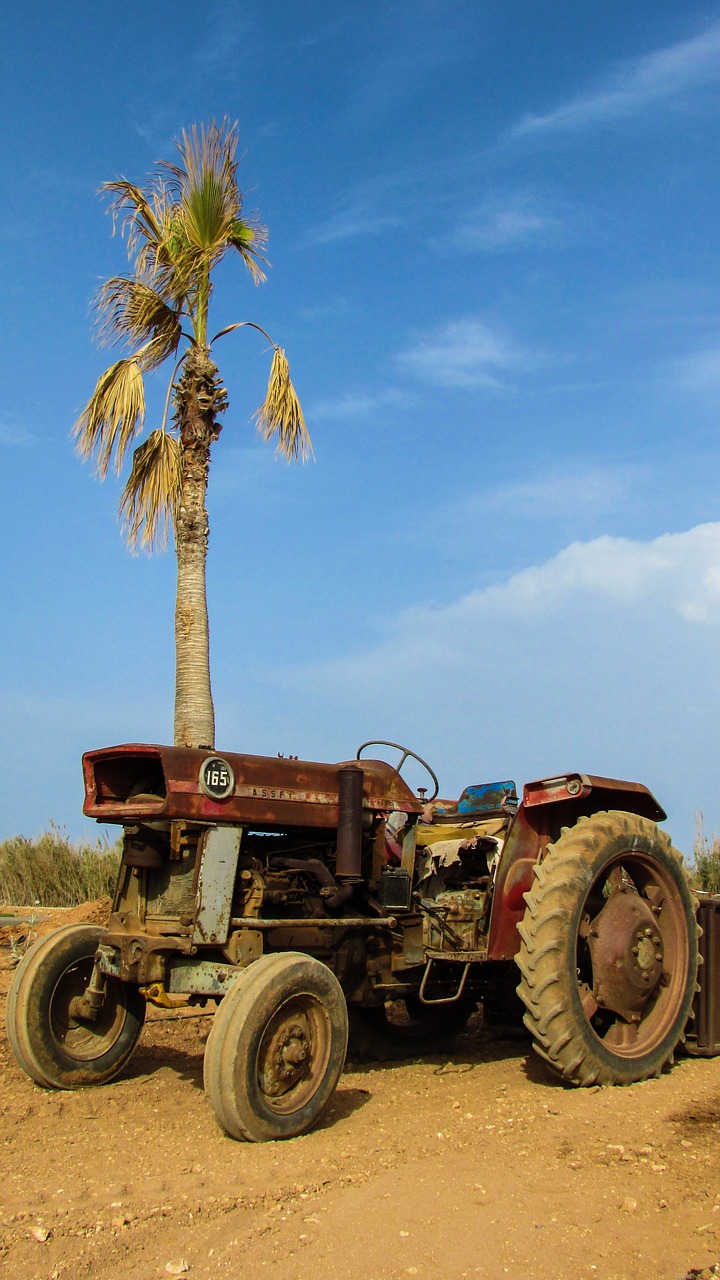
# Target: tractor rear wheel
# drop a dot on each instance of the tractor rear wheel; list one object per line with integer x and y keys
{"x": 277, "y": 1048}
{"x": 51, "y": 1036}
{"x": 609, "y": 951}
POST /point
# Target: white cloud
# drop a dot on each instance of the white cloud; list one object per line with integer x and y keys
{"x": 637, "y": 85}
{"x": 677, "y": 573}
{"x": 465, "y": 353}
{"x": 603, "y": 659}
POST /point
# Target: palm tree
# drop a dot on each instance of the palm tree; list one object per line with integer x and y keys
{"x": 178, "y": 229}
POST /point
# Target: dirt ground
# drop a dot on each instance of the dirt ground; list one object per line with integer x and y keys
{"x": 474, "y": 1164}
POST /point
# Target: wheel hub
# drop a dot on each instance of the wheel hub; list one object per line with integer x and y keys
{"x": 626, "y": 948}
{"x": 288, "y": 1058}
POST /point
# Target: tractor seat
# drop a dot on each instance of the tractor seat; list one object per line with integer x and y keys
{"x": 481, "y": 801}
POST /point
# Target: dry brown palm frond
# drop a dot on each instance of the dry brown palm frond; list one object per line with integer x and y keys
{"x": 113, "y": 416}
{"x": 150, "y": 222}
{"x": 130, "y": 310}
{"x": 281, "y": 414}
{"x": 149, "y": 502}
{"x": 137, "y": 213}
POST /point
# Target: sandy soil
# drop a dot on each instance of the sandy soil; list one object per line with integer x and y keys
{"x": 475, "y": 1164}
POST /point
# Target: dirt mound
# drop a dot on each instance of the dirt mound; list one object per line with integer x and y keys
{"x": 35, "y": 922}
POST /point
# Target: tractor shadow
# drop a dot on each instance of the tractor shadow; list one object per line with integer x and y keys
{"x": 157, "y": 1053}
{"x": 178, "y": 1045}
{"x": 474, "y": 1047}
{"x": 172, "y": 1042}
{"x": 345, "y": 1102}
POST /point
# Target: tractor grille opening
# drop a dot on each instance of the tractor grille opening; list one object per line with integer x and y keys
{"x": 128, "y": 778}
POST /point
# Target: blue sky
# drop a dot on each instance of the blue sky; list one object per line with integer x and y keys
{"x": 495, "y": 269}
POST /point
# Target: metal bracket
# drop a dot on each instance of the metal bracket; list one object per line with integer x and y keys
{"x": 446, "y": 1000}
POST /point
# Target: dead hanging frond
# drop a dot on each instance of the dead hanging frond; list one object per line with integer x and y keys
{"x": 130, "y": 310}
{"x": 113, "y": 416}
{"x": 150, "y": 499}
{"x": 281, "y": 415}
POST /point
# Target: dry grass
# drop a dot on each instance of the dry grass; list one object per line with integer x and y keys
{"x": 52, "y": 871}
{"x": 706, "y": 872}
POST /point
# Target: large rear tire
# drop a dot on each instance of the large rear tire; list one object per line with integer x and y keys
{"x": 277, "y": 1048}
{"x": 53, "y": 1043}
{"x": 609, "y": 951}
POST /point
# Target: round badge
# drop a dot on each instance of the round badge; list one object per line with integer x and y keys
{"x": 216, "y": 778}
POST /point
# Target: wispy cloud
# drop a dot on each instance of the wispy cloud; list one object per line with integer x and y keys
{"x": 356, "y": 219}
{"x": 227, "y": 44}
{"x": 465, "y": 353}
{"x": 328, "y": 309}
{"x": 358, "y": 404}
{"x": 699, "y": 371}
{"x": 414, "y": 42}
{"x": 503, "y": 226}
{"x": 14, "y": 435}
{"x": 593, "y": 490}
{"x": 366, "y": 208}
{"x": 636, "y": 86}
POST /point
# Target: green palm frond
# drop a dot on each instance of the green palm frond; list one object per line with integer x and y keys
{"x": 249, "y": 238}
{"x": 130, "y": 310}
{"x": 281, "y": 414}
{"x": 204, "y": 185}
{"x": 150, "y": 499}
{"x": 113, "y": 416}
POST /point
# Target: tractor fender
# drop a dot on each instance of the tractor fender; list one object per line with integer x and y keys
{"x": 547, "y": 806}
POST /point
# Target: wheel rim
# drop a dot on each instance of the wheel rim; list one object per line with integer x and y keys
{"x": 81, "y": 1038}
{"x": 632, "y": 954}
{"x": 294, "y": 1054}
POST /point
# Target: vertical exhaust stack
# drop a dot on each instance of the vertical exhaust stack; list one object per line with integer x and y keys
{"x": 349, "y": 832}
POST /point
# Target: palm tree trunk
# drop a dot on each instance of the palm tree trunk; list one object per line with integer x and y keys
{"x": 198, "y": 398}
{"x": 194, "y": 713}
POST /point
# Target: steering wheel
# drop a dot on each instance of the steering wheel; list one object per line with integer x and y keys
{"x": 380, "y": 742}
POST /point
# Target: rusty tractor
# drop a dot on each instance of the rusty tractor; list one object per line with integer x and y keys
{"x": 301, "y": 897}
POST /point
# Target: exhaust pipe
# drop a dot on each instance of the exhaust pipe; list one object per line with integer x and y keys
{"x": 350, "y": 813}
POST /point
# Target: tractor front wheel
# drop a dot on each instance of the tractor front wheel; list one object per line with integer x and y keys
{"x": 609, "y": 951}
{"x": 54, "y": 1036}
{"x": 277, "y": 1048}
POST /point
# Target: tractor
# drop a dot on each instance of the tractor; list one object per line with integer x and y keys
{"x": 302, "y": 899}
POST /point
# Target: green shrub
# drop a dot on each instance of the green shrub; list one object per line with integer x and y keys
{"x": 53, "y": 871}
{"x": 707, "y": 861}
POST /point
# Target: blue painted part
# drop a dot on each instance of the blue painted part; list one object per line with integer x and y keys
{"x": 488, "y": 797}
